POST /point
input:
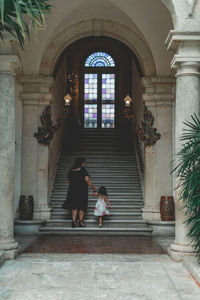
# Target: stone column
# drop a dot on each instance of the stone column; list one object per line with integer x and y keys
{"x": 8, "y": 64}
{"x": 187, "y": 63}
{"x": 36, "y": 95}
{"x": 158, "y": 97}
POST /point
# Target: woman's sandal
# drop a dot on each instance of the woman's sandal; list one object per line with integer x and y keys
{"x": 81, "y": 224}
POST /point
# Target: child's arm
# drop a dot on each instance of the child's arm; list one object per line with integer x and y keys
{"x": 106, "y": 199}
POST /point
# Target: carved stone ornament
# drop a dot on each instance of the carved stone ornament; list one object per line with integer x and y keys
{"x": 46, "y": 131}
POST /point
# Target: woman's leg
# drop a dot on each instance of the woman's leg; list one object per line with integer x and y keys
{"x": 81, "y": 217}
{"x": 74, "y": 214}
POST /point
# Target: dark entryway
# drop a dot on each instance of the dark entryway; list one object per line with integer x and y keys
{"x": 104, "y": 77}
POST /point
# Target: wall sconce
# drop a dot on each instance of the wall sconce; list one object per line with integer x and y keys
{"x": 127, "y": 101}
{"x": 67, "y": 100}
{"x": 147, "y": 134}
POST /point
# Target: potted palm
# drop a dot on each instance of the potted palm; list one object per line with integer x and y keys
{"x": 188, "y": 172}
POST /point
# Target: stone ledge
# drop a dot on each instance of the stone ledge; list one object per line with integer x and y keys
{"x": 28, "y": 227}
{"x": 162, "y": 228}
{"x": 2, "y": 258}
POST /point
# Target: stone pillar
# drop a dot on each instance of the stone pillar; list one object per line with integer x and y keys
{"x": 187, "y": 63}
{"x": 158, "y": 97}
{"x": 8, "y": 64}
{"x": 36, "y": 95}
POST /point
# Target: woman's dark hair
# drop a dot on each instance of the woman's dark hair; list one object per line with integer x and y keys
{"x": 78, "y": 162}
{"x": 103, "y": 191}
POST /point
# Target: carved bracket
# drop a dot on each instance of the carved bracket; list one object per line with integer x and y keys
{"x": 45, "y": 133}
{"x": 148, "y": 135}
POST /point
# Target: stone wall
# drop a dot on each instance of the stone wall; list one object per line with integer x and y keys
{"x": 57, "y": 108}
{"x": 18, "y": 144}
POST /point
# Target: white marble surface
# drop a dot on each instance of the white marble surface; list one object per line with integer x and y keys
{"x": 72, "y": 276}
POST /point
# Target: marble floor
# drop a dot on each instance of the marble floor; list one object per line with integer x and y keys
{"x": 48, "y": 276}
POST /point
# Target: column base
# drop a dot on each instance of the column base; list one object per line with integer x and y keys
{"x": 10, "y": 248}
{"x": 150, "y": 214}
{"x": 178, "y": 251}
{"x": 42, "y": 212}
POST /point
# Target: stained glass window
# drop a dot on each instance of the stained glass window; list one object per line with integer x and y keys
{"x": 108, "y": 116}
{"x": 90, "y": 87}
{"x": 100, "y": 59}
{"x": 108, "y": 87}
{"x": 90, "y": 115}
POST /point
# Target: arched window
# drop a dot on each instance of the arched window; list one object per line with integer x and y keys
{"x": 99, "y": 91}
{"x": 99, "y": 59}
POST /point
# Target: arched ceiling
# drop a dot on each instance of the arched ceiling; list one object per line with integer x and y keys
{"x": 150, "y": 20}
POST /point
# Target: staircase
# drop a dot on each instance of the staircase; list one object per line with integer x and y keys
{"x": 110, "y": 161}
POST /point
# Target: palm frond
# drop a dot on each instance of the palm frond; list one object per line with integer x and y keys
{"x": 12, "y": 14}
{"x": 186, "y": 167}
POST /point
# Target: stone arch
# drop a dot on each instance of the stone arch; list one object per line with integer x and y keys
{"x": 97, "y": 27}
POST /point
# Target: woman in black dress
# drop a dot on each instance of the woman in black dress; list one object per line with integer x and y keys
{"x": 77, "y": 196}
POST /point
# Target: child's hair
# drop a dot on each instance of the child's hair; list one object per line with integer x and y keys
{"x": 103, "y": 191}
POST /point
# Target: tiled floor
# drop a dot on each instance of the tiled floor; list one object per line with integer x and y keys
{"x": 64, "y": 276}
{"x": 96, "y": 277}
{"x": 95, "y": 245}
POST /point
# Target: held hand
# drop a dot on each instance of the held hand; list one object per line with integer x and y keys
{"x": 110, "y": 206}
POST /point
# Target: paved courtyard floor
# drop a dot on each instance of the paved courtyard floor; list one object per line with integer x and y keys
{"x": 48, "y": 276}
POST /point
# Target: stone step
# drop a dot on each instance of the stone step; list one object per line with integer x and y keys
{"x": 106, "y": 223}
{"x": 104, "y": 174}
{"x": 63, "y": 190}
{"x": 110, "y": 165}
{"x": 62, "y": 215}
{"x": 117, "y": 195}
{"x": 111, "y": 183}
{"x": 62, "y": 230}
{"x": 58, "y": 208}
{"x": 121, "y": 200}
{"x": 118, "y": 202}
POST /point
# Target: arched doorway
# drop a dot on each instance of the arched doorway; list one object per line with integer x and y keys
{"x": 104, "y": 77}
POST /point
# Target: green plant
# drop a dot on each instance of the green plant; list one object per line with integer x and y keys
{"x": 188, "y": 172}
{"x": 13, "y": 18}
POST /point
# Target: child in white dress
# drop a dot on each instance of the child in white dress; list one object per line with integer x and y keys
{"x": 101, "y": 208}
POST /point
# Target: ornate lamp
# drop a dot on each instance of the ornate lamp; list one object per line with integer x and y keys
{"x": 67, "y": 100}
{"x": 127, "y": 101}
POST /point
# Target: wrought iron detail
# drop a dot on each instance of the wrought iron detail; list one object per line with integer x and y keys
{"x": 45, "y": 133}
{"x": 148, "y": 135}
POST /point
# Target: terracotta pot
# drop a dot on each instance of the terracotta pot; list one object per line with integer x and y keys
{"x": 167, "y": 208}
{"x": 26, "y": 207}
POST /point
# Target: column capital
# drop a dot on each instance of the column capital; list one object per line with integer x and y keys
{"x": 176, "y": 38}
{"x": 158, "y": 90}
{"x": 9, "y": 63}
{"x": 186, "y": 46}
{"x": 37, "y": 90}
